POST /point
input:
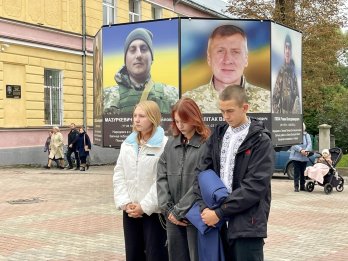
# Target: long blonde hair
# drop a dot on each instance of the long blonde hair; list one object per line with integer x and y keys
{"x": 152, "y": 112}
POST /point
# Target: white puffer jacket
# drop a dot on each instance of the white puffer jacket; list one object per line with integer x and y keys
{"x": 135, "y": 172}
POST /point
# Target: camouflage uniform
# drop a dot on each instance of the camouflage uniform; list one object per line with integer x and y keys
{"x": 123, "y": 97}
{"x": 207, "y": 98}
{"x": 286, "y": 94}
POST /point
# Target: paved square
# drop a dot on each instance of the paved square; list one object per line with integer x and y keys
{"x": 70, "y": 215}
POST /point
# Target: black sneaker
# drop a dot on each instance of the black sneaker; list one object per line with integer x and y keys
{"x": 47, "y": 167}
{"x": 296, "y": 190}
{"x": 69, "y": 167}
{"x": 303, "y": 189}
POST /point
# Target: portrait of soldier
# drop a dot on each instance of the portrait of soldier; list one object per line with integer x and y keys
{"x": 133, "y": 80}
{"x": 227, "y": 56}
{"x": 286, "y": 97}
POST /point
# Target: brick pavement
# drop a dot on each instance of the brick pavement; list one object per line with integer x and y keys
{"x": 68, "y": 215}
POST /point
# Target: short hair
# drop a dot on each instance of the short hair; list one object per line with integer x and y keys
{"x": 152, "y": 112}
{"x": 234, "y": 92}
{"x": 188, "y": 111}
{"x": 56, "y": 128}
{"x": 228, "y": 30}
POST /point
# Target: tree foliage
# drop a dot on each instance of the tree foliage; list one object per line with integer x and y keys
{"x": 323, "y": 77}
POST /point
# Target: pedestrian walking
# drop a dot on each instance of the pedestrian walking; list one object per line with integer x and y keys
{"x": 47, "y": 146}
{"x": 56, "y": 148}
{"x": 83, "y": 146}
{"x": 72, "y": 139}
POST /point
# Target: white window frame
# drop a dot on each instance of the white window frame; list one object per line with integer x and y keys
{"x": 107, "y": 10}
{"x": 134, "y": 11}
{"x": 53, "y": 97}
{"x": 156, "y": 12}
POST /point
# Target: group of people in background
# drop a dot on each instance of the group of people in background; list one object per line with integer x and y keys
{"x": 79, "y": 144}
{"x": 156, "y": 181}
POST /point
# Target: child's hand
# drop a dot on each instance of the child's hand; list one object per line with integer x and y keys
{"x": 172, "y": 219}
{"x": 209, "y": 217}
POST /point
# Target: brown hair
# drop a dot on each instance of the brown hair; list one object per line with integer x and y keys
{"x": 234, "y": 92}
{"x": 189, "y": 112}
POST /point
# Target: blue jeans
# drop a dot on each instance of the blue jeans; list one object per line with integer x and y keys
{"x": 299, "y": 169}
{"x": 182, "y": 242}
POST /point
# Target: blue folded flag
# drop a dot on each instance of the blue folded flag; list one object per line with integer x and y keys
{"x": 213, "y": 193}
{"x": 212, "y": 188}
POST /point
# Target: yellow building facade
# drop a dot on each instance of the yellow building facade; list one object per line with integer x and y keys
{"x": 46, "y": 65}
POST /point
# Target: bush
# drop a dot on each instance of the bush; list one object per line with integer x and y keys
{"x": 343, "y": 162}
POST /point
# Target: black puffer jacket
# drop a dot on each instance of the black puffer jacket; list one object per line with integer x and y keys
{"x": 247, "y": 207}
{"x": 176, "y": 174}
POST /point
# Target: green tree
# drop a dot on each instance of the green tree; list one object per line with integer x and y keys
{"x": 322, "y": 76}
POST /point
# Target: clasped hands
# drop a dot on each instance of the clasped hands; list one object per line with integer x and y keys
{"x": 134, "y": 210}
{"x": 209, "y": 217}
{"x": 172, "y": 219}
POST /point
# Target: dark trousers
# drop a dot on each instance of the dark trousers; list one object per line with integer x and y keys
{"x": 245, "y": 249}
{"x": 182, "y": 242}
{"x": 299, "y": 169}
{"x": 145, "y": 238}
{"x": 68, "y": 157}
{"x": 83, "y": 159}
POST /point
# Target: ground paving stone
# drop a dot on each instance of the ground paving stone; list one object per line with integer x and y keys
{"x": 76, "y": 219}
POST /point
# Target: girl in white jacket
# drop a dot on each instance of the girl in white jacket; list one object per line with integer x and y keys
{"x": 135, "y": 185}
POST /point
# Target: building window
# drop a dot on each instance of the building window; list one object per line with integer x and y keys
{"x": 108, "y": 12}
{"x": 156, "y": 12}
{"x": 53, "y": 97}
{"x": 134, "y": 10}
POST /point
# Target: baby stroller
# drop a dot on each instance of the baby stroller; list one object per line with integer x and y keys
{"x": 331, "y": 179}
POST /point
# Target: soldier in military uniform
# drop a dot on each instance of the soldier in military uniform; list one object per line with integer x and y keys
{"x": 227, "y": 56}
{"x": 286, "y": 97}
{"x": 134, "y": 82}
